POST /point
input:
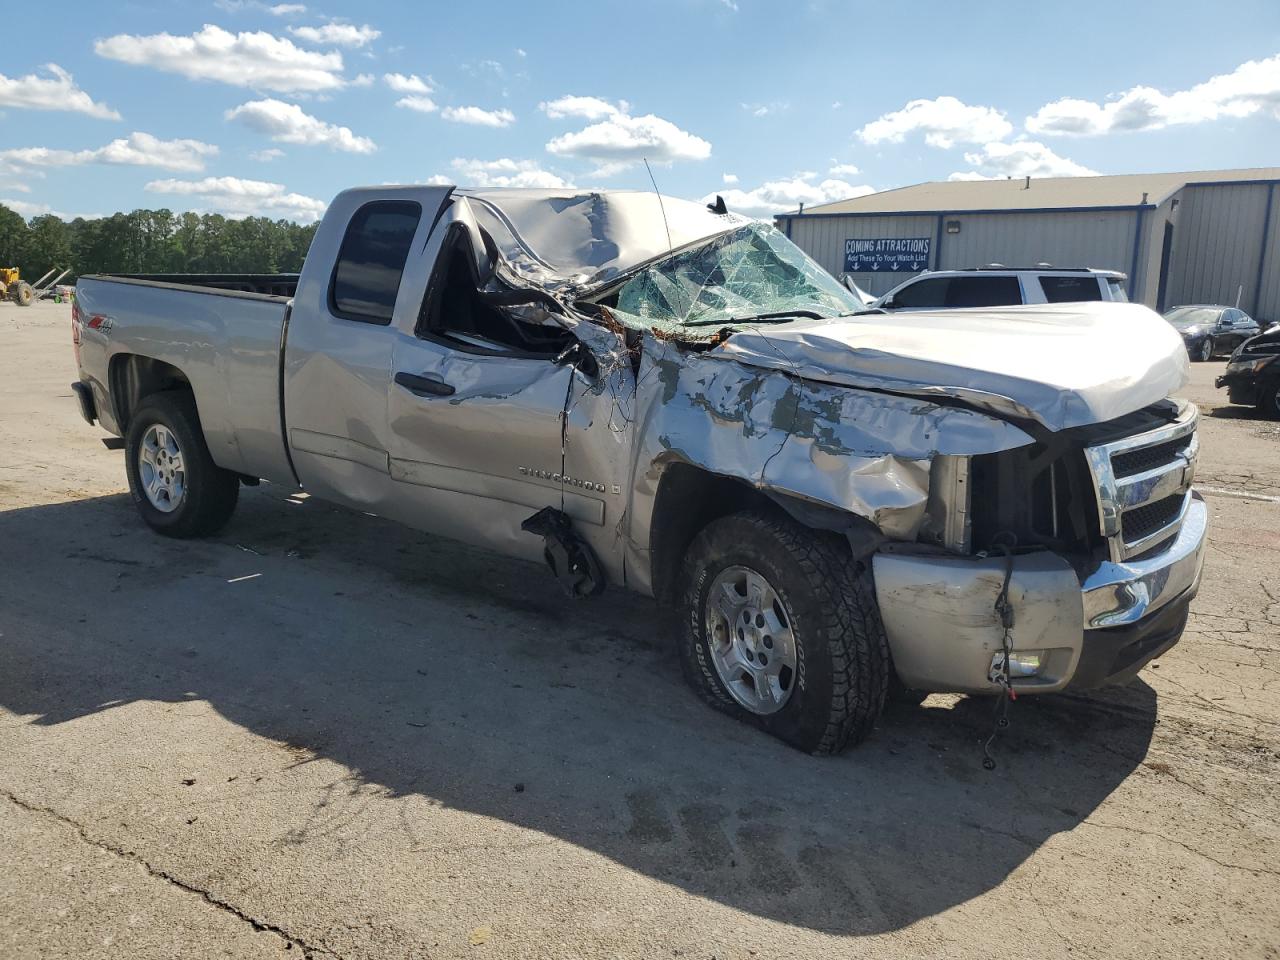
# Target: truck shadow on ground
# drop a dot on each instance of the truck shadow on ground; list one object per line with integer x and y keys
{"x": 425, "y": 667}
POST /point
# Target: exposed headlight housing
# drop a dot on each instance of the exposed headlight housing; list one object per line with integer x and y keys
{"x": 1250, "y": 366}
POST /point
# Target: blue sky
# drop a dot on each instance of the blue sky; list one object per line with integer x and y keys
{"x": 254, "y": 106}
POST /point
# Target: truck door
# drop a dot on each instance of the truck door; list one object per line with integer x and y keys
{"x": 476, "y": 408}
{"x": 340, "y": 339}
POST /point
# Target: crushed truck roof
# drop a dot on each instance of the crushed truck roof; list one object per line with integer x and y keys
{"x": 582, "y": 239}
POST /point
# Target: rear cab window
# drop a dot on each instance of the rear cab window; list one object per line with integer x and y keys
{"x": 1066, "y": 289}
{"x": 371, "y": 260}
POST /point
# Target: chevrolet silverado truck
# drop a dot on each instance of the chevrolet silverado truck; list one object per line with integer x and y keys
{"x": 663, "y": 396}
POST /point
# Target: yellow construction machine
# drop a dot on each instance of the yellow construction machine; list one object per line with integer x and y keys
{"x": 13, "y": 287}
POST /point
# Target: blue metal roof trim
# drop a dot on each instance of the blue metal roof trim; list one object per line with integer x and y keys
{"x": 956, "y": 213}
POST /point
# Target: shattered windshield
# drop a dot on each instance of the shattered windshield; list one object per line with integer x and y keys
{"x": 750, "y": 274}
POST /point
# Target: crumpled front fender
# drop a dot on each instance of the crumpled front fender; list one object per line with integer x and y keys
{"x": 860, "y": 451}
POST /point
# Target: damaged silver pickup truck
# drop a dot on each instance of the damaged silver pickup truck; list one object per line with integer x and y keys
{"x": 650, "y": 393}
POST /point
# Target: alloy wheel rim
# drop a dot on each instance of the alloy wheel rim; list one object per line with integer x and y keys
{"x": 1206, "y": 350}
{"x": 161, "y": 468}
{"x": 750, "y": 636}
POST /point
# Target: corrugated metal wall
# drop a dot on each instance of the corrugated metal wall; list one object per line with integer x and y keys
{"x": 823, "y": 239}
{"x": 1217, "y": 244}
{"x": 1086, "y": 239}
{"x": 1267, "y": 299}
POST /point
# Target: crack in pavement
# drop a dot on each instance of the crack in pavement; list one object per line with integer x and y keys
{"x": 307, "y": 950}
{"x": 1256, "y": 871}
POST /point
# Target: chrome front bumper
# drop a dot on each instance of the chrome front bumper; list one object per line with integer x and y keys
{"x": 943, "y": 630}
{"x": 1117, "y": 594}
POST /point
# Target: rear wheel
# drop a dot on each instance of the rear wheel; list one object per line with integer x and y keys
{"x": 782, "y": 630}
{"x": 176, "y": 486}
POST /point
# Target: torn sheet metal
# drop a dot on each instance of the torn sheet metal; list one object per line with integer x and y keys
{"x": 862, "y": 452}
{"x": 563, "y": 240}
{"x": 1062, "y": 365}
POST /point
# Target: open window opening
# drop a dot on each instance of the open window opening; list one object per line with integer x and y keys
{"x": 456, "y": 310}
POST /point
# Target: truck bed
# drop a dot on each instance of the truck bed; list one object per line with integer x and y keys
{"x": 265, "y": 284}
{"x": 226, "y": 342}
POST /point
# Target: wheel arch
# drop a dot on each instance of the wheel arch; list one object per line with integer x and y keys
{"x": 690, "y": 496}
{"x": 133, "y": 377}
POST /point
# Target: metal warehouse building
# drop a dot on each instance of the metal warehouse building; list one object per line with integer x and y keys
{"x": 1207, "y": 237}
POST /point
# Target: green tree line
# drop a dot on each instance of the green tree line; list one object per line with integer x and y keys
{"x": 151, "y": 241}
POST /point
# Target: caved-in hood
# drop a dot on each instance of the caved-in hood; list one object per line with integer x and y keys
{"x": 1062, "y": 365}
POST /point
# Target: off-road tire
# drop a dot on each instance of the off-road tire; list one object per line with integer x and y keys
{"x": 211, "y": 492}
{"x": 843, "y": 655}
{"x": 23, "y": 295}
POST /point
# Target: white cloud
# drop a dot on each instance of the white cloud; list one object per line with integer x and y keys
{"x": 421, "y": 104}
{"x": 503, "y": 172}
{"x": 338, "y": 34}
{"x": 138, "y": 149}
{"x": 57, "y": 92}
{"x": 363, "y": 80}
{"x": 588, "y": 108}
{"x": 1251, "y": 87}
{"x": 27, "y": 210}
{"x": 276, "y": 10}
{"x": 478, "y": 117}
{"x": 520, "y": 52}
{"x": 260, "y": 60}
{"x": 288, "y": 123}
{"x": 1021, "y": 158}
{"x": 626, "y": 139}
{"x": 729, "y": 178}
{"x": 779, "y": 196}
{"x": 944, "y": 122}
{"x": 843, "y": 170}
{"x": 407, "y": 84}
{"x": 439, "y": 180}
{"x": 237, "y": 198}
{"x": 267, "y": 155}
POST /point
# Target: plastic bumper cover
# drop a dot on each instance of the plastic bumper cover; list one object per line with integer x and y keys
{"x": 940, "y": 618}
{"x": 84, "y": 394}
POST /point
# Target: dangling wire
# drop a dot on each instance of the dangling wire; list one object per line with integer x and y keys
{"x": 1005, "y": 609}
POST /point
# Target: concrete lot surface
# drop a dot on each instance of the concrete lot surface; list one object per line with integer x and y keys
{"x": 321, "y": 734}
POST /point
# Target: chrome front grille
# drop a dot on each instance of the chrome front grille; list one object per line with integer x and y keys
{"x": 1143, "y": 485}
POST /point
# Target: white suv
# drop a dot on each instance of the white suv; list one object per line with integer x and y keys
{"x": 1003, "y": 287}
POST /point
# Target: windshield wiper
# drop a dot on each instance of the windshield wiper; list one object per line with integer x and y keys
{"x": 780, "y": 317}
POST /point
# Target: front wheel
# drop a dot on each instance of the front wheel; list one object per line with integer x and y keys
{"x": 782, "y": 630}
{"x": 1204, "y": 352}
{"x": 1269, "y": 400}
{"x": 176, "y": 486}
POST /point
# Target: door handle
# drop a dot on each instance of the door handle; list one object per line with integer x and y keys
{"x": 424, "y": 386}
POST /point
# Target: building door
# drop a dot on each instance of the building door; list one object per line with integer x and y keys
{"x": 1166, "y": 250}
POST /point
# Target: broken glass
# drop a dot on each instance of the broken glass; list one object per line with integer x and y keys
{"x": 750, "y": 275}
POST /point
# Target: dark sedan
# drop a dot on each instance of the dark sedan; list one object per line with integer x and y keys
{"x": 1208, "y": 330}
{"x": 1253, "y": 375}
